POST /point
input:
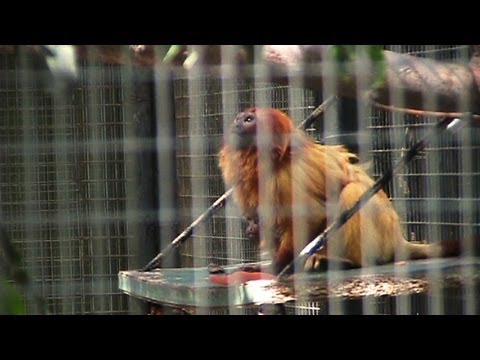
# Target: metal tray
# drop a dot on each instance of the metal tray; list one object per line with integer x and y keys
{"x": 191, "y": 287}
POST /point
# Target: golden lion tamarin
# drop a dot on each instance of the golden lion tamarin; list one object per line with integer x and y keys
{"x": 297, "y": 187}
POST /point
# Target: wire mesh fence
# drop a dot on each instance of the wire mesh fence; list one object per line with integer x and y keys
{"x": 63, "y": 184}
{"x": 100, "y": 178}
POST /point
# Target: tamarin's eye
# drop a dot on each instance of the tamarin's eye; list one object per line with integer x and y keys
{"x": 248, "y": 119}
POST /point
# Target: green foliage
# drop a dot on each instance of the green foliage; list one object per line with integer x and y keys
{"x": 11, "y": 302}
{"x": 342, "y": 53}
{"x": 377, "y": 57}
{"x": 172, "y": 52}
{"x": 345, "y": 55}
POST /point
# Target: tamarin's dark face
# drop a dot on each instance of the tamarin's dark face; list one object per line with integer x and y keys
{"x": 245, "y": 123}
{"x": 272, "y": 126}
{"x": 243, "y": 130}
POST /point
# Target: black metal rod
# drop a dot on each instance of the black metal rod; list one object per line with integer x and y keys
{"x": 305, "y": 124}
{"x": 321, "y": 240}
{"x": 220, "y": 202}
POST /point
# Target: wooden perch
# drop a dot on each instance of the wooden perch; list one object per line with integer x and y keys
{"x": 412, "y": 77}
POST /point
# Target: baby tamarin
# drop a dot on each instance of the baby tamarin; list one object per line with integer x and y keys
{"x": 297, "y": 187}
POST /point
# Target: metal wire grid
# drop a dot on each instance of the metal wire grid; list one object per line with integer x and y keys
{"x": 418, "y": 304}
{"x": 63, "y": 181}
{"x": 435, "y": 195}
{"x": 62, "y": 184}
{"x": 437, "y": 177}
{"x": 438, "y": 52}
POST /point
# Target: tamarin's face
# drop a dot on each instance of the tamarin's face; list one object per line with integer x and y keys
{"x": 273, "y": 125}
{"x": 243, "y": 130}
{"x": 245, "y": 122}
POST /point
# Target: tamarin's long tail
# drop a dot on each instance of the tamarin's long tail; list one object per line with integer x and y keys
{"x": 412, "y": 250}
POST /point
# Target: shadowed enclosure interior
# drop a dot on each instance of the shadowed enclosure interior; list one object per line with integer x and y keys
{"x": 436, "y": 194}
{"x": 69, "y": 177}
{"x": 63, "y": 183}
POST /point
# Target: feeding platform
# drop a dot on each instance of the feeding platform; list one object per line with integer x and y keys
{"x": 450, "y": 284}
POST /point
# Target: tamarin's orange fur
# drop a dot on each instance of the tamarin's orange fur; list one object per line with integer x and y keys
{"x": 298, "y": 187}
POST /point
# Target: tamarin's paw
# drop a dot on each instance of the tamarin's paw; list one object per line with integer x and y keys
{"x": 250, "y": 267}
{"x": 239, "y": 277}
{"x": 253, "y": 231}
{"x": 215, "y": 269}
{"x": 321, "y": 262}
{"x": 316, "y": 262}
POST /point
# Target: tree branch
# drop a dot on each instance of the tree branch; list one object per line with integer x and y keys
{"x": 138, "y": 55}
{"x": 409, "y": 82}
{"x": 412, "y": 77}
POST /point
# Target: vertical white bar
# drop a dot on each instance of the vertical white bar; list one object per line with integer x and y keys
{"x": 434, "y": 205}
{"x": 229, "y": 77}
{"x": 330, "y": 125}
{"x": 95, "y": 196}
{"x": 165, "y": 146}
{"x": 62, "y": 218}
{"x": 363, "y": 68}
{"x": 263, "y": 98}
{"x": 296, "y": 82}
{"x": 30, "y": 189}
{"x": 467, "y": 207}
{"x": 399, "y": 184}
{"x": 199, "y": 190}
{"x": 131, "y": 145}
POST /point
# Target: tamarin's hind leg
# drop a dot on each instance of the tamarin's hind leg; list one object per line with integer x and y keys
{"x": 320, "y": 261}
{"x": 361, "y": 239}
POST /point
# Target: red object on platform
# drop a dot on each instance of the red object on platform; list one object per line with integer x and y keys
{"x": 240, "y": 277}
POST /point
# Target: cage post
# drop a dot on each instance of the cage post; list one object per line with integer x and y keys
{"x": 146, "y": 163}
{"x": 167, "y": 172}
{"x": 142, "y": 190}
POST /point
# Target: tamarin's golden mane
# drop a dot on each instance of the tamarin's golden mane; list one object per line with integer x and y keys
{"x": 297, "y": 171}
